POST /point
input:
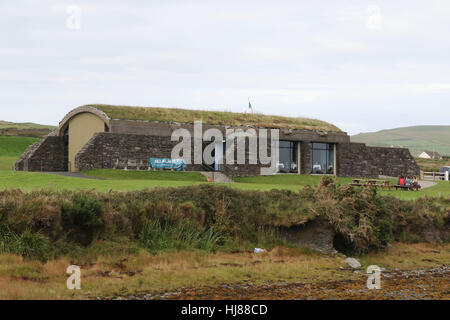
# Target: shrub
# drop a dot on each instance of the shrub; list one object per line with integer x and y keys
{"x": 208, "y": 217}
{"x": 82, "y": 218}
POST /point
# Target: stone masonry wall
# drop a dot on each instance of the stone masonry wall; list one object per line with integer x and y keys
{"x": 109, "y": 150}
{"x": 359, "y": 160}
{"x": 354, "y": 160}
{"x": 45, "y": 155}
{"x": 394, "y": 162}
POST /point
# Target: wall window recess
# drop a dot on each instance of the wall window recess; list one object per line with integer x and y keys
{"x": 288, "y": 157}
{"x": 322, "y": 158}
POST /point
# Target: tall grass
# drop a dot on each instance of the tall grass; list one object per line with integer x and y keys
{"x": 160, "y": 236}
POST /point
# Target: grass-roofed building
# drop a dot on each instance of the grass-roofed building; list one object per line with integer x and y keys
{"x": 105, "y": 136}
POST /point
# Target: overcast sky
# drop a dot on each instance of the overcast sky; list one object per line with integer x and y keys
{"x": 362, "y": 65}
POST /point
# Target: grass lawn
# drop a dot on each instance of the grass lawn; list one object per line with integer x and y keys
{"x": 28, "y": 181}
{"x": 112, "y": 174}
{"x": 135, "y": 180}
{"x": 294, "y": 182}
{"x": 6, "y": 163}
{"x": 11, "y": 148}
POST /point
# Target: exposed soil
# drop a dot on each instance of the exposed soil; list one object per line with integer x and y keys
{"x": 397, "y": 285}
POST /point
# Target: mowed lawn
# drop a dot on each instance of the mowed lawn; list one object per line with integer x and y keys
{"x": 294, "y": 182}
{"x": 120, "y": 180}
{"x": 28, "y": 181}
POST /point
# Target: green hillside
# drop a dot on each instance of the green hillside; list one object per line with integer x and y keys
{"x": 24, "y": 125}
{"x": 26, "y": 129}
{"x": 11, "y": 148}
{"x": 416, "y": 139}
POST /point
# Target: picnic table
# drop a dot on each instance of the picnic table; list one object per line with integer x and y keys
{"x": 414, "y": 186}
{"x": 371, "y": 183}
{"x": 385, "y": 184}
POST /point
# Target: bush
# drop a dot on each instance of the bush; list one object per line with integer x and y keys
{"x": 208, "y": 217}
{"x": 82, "y": 218}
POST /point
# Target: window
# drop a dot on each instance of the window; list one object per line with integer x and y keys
{"x": 288, "y": 161}
{"x": 322, "y": 158}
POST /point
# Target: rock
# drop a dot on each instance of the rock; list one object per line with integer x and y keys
{"x": 259, "y": 250}
{"x": 352, "y": 262}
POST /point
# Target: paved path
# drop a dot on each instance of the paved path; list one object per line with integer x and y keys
{"x": 427, "y": 184}
{"x": 74, "y": 175}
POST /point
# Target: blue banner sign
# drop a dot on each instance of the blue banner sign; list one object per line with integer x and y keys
{"x": 166, "y": 163}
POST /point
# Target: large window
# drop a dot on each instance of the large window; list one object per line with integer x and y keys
{"x": 322, "y": 158}
{"x": 288, "y": 161}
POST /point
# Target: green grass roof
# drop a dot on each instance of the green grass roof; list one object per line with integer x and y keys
{"x": 213, "y": 117}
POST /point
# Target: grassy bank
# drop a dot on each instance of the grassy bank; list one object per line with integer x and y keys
{"x": 47, "y": 224}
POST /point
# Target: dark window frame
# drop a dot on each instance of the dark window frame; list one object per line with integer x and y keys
{"x": 292, "y": 146}
{"x": 329, "y": 149}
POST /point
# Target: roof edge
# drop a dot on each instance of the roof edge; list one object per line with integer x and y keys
{"x": 82, "y": 109}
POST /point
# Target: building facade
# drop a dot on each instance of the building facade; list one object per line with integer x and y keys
{"x": 88, "y": 138}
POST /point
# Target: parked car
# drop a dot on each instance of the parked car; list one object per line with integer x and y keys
{"x": 445, "y": 169}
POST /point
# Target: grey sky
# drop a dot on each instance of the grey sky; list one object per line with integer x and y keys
{"x": 362, "y": 65}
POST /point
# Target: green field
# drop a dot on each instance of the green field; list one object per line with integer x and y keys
{"x": 417, "y": 139}
{"x": 11, "y": 148}
{"x": 430, "y": 165}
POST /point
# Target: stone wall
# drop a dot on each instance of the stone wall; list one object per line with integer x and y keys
{"x": 359, "y": 160}
{"x": 355, "y": 160}
{"x": 112, "y": 150}
{"x": 156, "y": 128}
{"x": 45, "y": 155}
{"x": 394, "y": 162}
{"x": 109, "y": 150}
{"x": 305, "y": 157}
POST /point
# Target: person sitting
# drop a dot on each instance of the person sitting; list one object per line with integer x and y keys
{"x": 408, "y": 181}
{"x": 402, "y": 181}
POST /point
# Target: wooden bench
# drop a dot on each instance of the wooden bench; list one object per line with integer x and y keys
{"x": 370, "y": 183}
{"x": 413, "y": 187}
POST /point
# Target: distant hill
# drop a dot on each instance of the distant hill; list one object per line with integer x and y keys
{"x": 416, "y": 139}
{"x": 26, "y": 129}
